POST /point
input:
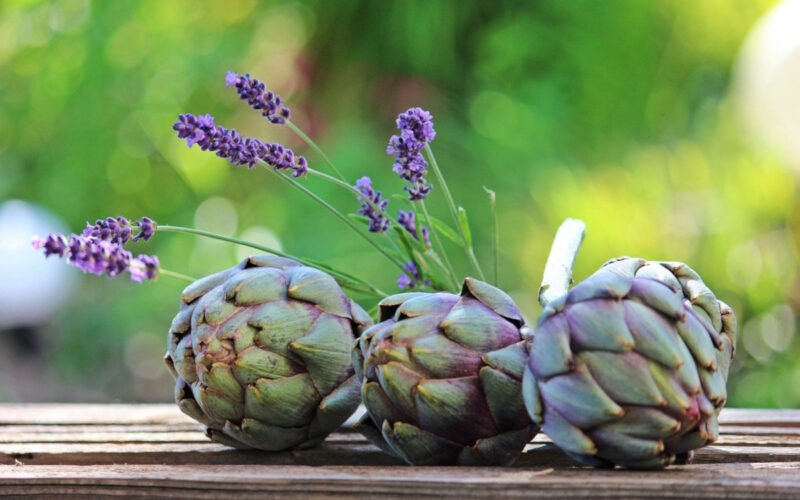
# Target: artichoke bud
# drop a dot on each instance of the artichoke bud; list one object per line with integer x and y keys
{"x": 261, "y": 354}
{"x": 629, "y": 367}
{"x": 442, "y": 376}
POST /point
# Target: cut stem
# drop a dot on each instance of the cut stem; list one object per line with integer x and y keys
{"x": 302, "y": 135}
{"x": 453, "y": 211}
{"x": 558, "y": 270}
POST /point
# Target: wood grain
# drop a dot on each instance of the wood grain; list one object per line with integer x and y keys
{"x": 151, "y": 451}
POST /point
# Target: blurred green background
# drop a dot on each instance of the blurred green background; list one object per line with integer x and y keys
{"x": 618, "y": 112}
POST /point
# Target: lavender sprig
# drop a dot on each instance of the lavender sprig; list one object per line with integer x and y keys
{"x": 97, "y": 256}
{"x": 258, "y": 97}
{"x": 147, "y": 227}
{"x": 238, "y": 150}
{"x": 411, "y": 278}
{"x": 99, "y": 249}
{"x": 408, "y": 219}
{"x": 416, "y": 130}
{"x": 378, "y": 223}
{"x": 116, "y": 230}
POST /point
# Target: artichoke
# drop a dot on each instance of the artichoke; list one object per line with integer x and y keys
{"x": 261, "y": 354}
{"x": 442, "y": 377}
{"x": 629, "y": 367}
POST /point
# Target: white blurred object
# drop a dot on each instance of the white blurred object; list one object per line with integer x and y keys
{"x": 260, "y": 235}
{"x": 767, "y": 80}
{"x": 32, "y": 288}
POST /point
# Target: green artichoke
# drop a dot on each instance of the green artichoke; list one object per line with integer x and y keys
{"x": 629, "y": 367}
{"x": 442, "y": 377}
{"x": 261, "y": 354}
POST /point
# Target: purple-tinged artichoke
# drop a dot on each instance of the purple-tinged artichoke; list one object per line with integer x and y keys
{"x": 442, "y": 377}
{"x": 261, "y": 354}
{"x": 629, "y": 367}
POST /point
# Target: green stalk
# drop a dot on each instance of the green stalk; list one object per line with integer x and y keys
{"x": 346, "y": 185}
{"x": 337, "y": 213}
{"x": 173, "y": 274}
{"x": 388, "y": 217}
{"x": 302, "y": 135}
{"x": 237, "y": 241}
{"x": 495, "y": 233}
{"x": 453, "y": 211}
{"x": 438, "y": 243}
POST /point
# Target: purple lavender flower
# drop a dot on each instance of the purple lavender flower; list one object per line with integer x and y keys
{"x": 378, "y": 223}
{"x": 416, "y": 130}
{"x": 52, "y": 244}
{"x": 117, "y": 230}
{"x": 411, "y": 278}
{"x": 96, "y": 256}
{"x": 144, "y": 267}
{"x": 258, "y": 97}
{"x": 99, "y": 249}
{"x": 403, "y": 281}
{"x": 426, "y": 236}
{"x": 417, "y": 123}
{"x": 408, "y": 220}
{"x": 147, "y": 227}
{"x": 202, "y": 130}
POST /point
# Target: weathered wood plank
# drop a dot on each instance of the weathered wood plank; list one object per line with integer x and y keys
{"x": 739, "y": 416}
{"x": 194, "y": 434}
{"x": 71, "y": 450}
{"x": 767, "y": 480}
{"x": 125, "y": 414}
{"x": 353, "y": 453}
{"x": 122, "y": 414}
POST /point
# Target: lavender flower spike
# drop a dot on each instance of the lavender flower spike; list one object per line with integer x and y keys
{"x": 147, "y": 227}
{"x": 416, "y": 130}
{"x": 412, "y": 279}
{"x": 116, "y": 230}
{"x": 238, "y": 150}
{"x": 144, "y": 267}
{"x": 378, "y": 223}
{"x": 52, "y": 244}
{"x": 99, "y": 249}
{"x": 258, "y": 97}
{"x": 408, "y": 220}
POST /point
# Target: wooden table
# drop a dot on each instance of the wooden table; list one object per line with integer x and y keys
{"x": 153, "y": 450}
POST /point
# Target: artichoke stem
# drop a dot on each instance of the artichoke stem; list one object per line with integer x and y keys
{"x": 558, "y": 270}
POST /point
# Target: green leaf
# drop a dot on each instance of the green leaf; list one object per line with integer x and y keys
{"x": 464, "y": 222}
{"x": 446, "y": 231}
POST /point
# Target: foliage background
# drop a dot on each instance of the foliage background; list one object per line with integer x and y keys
{"x": 616, "y": 112}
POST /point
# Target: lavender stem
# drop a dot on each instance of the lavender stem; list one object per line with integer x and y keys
{"x": 302, "y": 135}
{"x": 453, "y": 211}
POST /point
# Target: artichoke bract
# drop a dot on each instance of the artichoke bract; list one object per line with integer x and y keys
{"x": 442, "y": 377}
{"x": 261, "y": 354}
{"x": 629, "y": 367}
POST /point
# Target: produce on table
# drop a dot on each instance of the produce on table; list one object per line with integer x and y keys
{"x": 442, "y": 376}
{"x": 261, "y": 354}
{"x": 629, "y": 367}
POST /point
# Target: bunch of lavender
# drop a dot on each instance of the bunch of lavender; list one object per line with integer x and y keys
{"x": 410, "y": 241}
{"x": 100, "y": 248}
